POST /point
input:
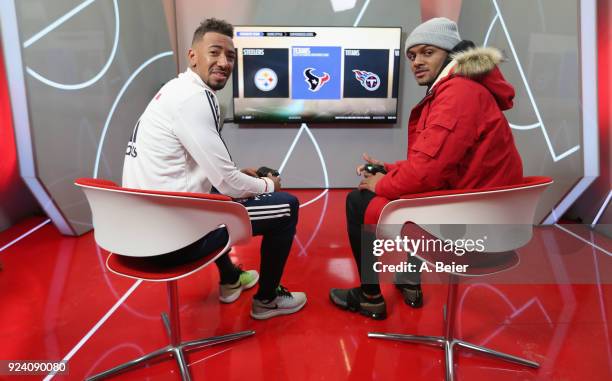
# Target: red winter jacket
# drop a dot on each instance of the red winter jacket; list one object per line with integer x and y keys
{"x": 458, "y": 136}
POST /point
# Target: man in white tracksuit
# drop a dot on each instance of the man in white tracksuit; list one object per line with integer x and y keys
{"x": 176, "y": 146}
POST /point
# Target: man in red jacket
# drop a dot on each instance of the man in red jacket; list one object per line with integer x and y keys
{"x": 458, "y": 138}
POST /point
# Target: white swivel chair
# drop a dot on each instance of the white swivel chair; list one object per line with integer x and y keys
{"x": 503, "y": 214}
{"x": 134, "y": 225}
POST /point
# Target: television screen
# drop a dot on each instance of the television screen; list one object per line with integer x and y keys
{"x": 316, "y": 74}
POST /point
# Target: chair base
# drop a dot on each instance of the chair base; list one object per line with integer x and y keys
{"x": 176, "y": 351}
{"x": 448, "y": 345}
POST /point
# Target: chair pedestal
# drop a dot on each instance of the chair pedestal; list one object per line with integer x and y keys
{"x": 448, "y": 342}
{"x": 176, "y": 348}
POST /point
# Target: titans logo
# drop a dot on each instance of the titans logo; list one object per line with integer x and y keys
{"x": 368, "y": 80}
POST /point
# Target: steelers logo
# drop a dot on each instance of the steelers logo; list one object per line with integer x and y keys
{"x": 265, "y": 79}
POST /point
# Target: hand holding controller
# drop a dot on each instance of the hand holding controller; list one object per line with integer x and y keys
{"x": 374, "y": 168}
{"x": 264, "y": 171}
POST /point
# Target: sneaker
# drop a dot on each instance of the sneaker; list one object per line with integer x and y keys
{"x": 228, "y": 293}
{"x": 354, "y": 300}
{"x": 285, "y": 303}
{"x": 412, "y": 293}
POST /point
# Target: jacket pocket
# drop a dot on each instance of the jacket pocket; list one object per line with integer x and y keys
{"x": 432, "y": 138}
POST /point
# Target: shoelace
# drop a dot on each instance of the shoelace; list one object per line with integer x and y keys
{"x": 283, "y": 292}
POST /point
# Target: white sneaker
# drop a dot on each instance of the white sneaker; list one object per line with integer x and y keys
{"x": 285, "y": 303}
{"x": 228, "y": 293}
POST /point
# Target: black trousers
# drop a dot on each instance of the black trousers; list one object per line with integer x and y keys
{"x": 362, "y": 239}
{"x": 273, "y": 216}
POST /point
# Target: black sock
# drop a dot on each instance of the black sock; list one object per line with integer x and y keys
{"x": 264, "y": 298}
{"x": 370, "y": 289}
{"x": 228, "y": 272}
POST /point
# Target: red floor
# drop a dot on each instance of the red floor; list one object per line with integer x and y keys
{"x": 55, "y": 291}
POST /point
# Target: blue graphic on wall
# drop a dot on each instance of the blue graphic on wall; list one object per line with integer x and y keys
{"x": 316, "y": 72}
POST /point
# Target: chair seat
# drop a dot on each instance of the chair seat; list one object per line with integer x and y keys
{"x": 152, "y": 269}
{"x": 479, "y": 263}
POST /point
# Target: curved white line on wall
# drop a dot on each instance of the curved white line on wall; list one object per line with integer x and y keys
{"x": 303, "y": 128}
{"x": 77, "y": 86}
{"x": 321, "y": 158}
{"x": 566, "y": 153}
{"x": 315, "y": 199}
{"x": 55, "y": 24}
{"x": 486, "y": 40}
{"x": 291, "y": 148}
{"x": 500, "y": 17}
{"x": 524, "y": 127}
{"x": 116, "y": 102}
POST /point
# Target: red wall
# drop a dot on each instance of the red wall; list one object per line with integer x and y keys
{"x": 16, "y": 202}
{"x": 8, "y": 158}
{"x": 586, "y": 207}
{"x": 605, "y": 85}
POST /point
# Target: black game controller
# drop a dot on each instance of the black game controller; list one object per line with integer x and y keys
{"x": 264, "y": 171}
{"x": 374, "y": 169}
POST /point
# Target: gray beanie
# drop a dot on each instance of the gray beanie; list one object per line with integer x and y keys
{"x": 440, "y": 32}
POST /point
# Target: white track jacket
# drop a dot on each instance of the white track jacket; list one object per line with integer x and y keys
{"x": 176, "y": 145}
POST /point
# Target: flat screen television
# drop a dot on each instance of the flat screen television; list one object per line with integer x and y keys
{"x": 316, "y": 74}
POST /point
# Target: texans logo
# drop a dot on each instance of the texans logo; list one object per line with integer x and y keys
{"x": 315, "y": 83}
{"x": 368, "y": 80}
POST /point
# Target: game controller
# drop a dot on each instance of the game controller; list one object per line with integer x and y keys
{"x": 264, "y": 171}
{"x": 374, "y": 168}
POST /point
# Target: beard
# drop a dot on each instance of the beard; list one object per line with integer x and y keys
{"x": 217, "y": 85}
{"x": 210, "y": 80}
{"x": 425, "y": 82}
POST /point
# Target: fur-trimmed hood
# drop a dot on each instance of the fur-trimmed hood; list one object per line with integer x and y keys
{"x": 477, "y": 62}
{"x": 480, "y": 65}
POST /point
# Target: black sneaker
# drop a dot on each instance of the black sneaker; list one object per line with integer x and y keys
{"x": 413, "y": 294}
{"x": 353, "y": 300}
